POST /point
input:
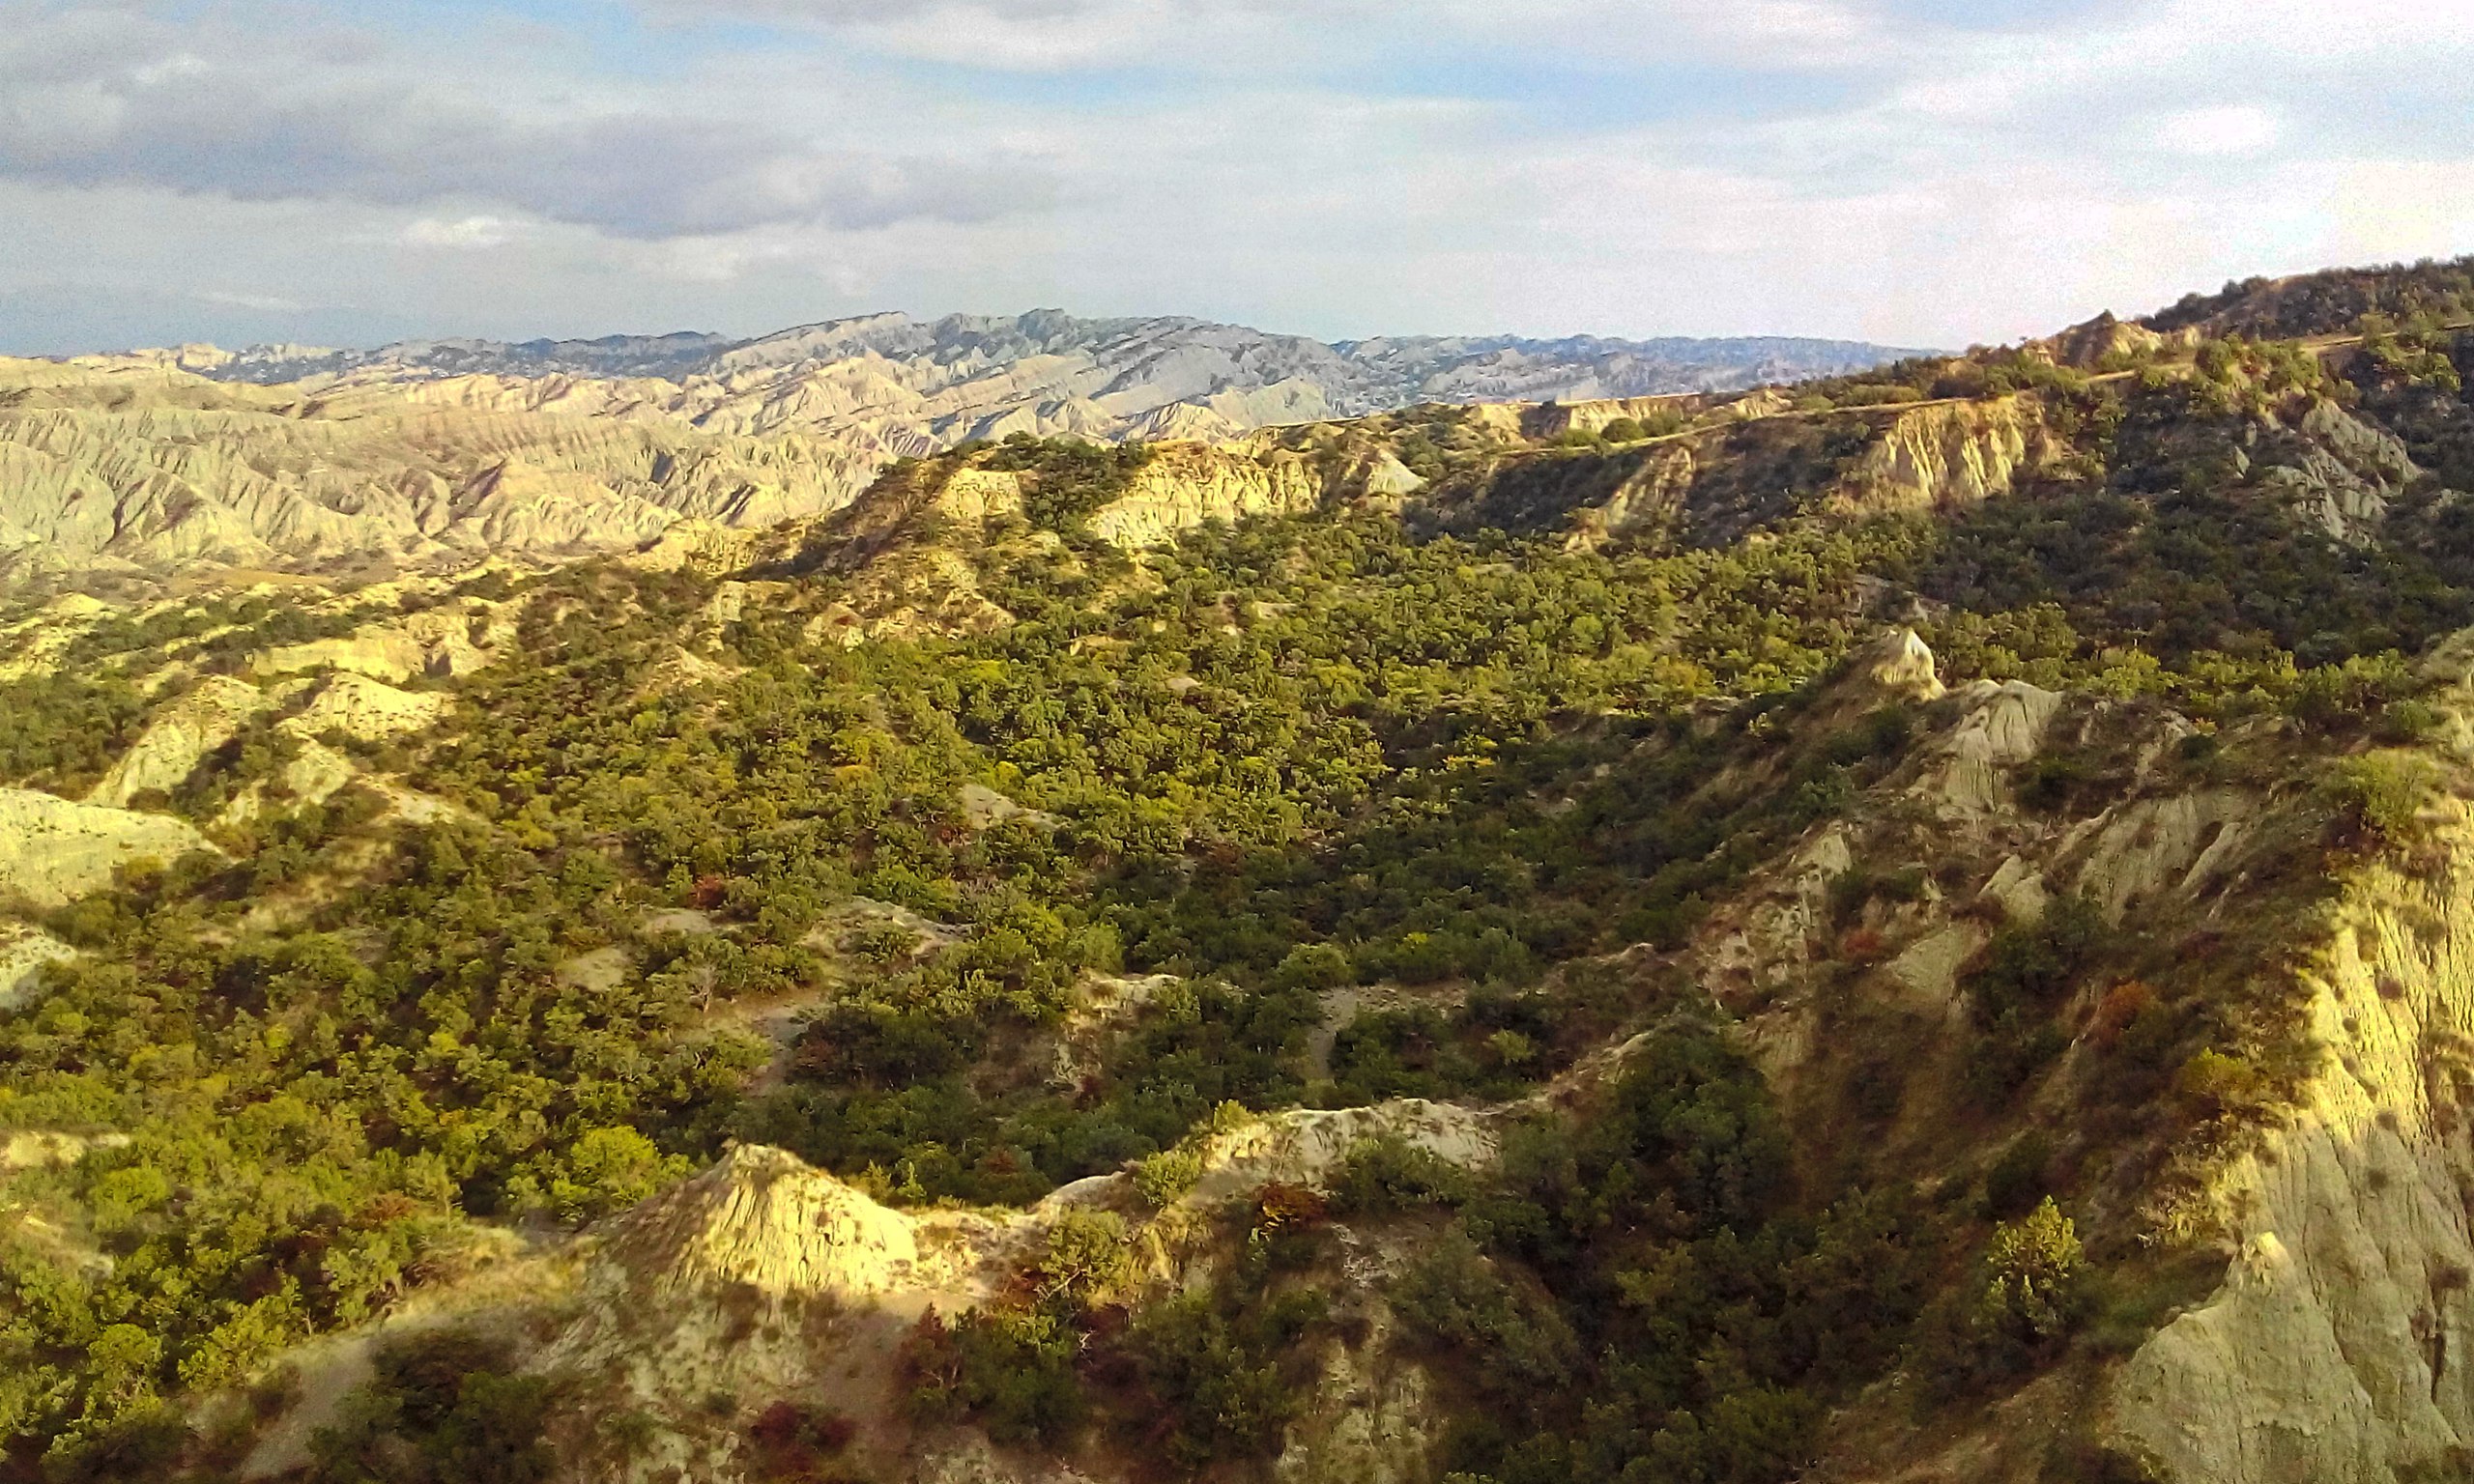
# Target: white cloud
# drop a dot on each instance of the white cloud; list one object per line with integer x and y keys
{"x": 461, "y": 233}
{"x": 267, "y": 120}
{"x": 1332, "y": 166}
{"x": 2239, "y": 129}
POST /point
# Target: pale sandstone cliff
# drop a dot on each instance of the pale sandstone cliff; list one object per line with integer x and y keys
{"x": 52, "y": 850}
{"x": 1946, "y": 455}
{"x": 438, "y": 641}
{"x": 367, "y": 710}
{"x": 2340, "y": 1346}
{"x": 764, "y": 1278}
{"x": 2338, "y": 469}
{"x": 1184, "y": 485}
{"x": 24, "y": 952}
{"x": 1550, "y": 421}
{"x": 411, "y": 455}
{"x": 178, "y": 737}
{"x": 2337, "y": 1347}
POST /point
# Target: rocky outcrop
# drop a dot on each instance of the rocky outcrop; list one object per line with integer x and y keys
{"x": 24, "y": 952}
{"x": 1651, "y": 498}
{"x": 107, "y": 469}
{"x": 1553, "y": 420}
{"x": 1184, "y": 485}
{"x": 366, "y": 710}
{"x": 35, "y": 1149}
{"x": 52, "y": 850}
{"x": 978, "y": 495}
{"x": 2339, "y": 471}
{"x": 178, "y": 737}
{"x": 2101, "y": 343}
{"x": 1306, "y": 1146}
{"x": 32, "y": 645}
{"x": 696, "y": 546}
{"x": 315, "y": 773}
{"x": 1944, "y": 455}
{"x": 439, "y": 642}
{"x": 2004, "y": 726}
{"x": 765, "y": 1219}
{"x": 2181, "y": 842}
{"x": 413, "y": 453}
{"x": 1041, "y": 372}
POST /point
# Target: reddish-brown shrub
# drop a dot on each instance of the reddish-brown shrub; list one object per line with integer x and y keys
{"x": 2121, "y": 1005}
{"x": 791, "y": 1435}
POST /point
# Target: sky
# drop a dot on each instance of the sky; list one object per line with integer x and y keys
{"x": 1912, "y": 172}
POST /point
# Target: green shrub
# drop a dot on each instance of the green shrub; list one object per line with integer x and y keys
{"x": 2382, "y": 794}
{"x": 1087, "y": 1254}
{"x": 1386, "y": 1175}
{"x": 2033, "y": 1271}
{"x": 603, "y": 1172}
{"x": 2048, "y": 783}
{"x": 443, "y": 1407}
{"x": 1220, "y": 1371}
{"x": 2029, "y": 1293}
{"x": 1009, "y": 1370}
{"x": 1454, "y": 1296}
{"x": 2215, "y": 1083}
{"x": 2404, "y": 723}
{"x": 2016, "y": 1181}
{"x": 1165, "y": 1177}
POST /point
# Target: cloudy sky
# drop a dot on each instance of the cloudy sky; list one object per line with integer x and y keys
{"x": 1919, "y": 172}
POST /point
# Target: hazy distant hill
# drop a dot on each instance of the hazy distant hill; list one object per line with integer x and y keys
{"x": 1128, "y": 366}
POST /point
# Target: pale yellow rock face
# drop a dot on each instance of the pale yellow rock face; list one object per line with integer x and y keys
{"x": 32, "y": 645}
{"x": 368, "y": 710}
{"x": 696, "y": 546}
{"x": 1550, "y": 421}
{"x": 1385, "y": 476}
{"x": 1183, "y": 486}
{"x": 1651, "y": 495}
{"x": 53, "y": 851}
{"x": 1304, "y": 1146}
{"x": 179, "y": 737}
{"x": 436, "y": 643}
{"x": 35, "y": 1149}
{"x": 1945, "y": 456}
{"x": 318, "y": 773}
{"x": 1902, "y": 666}
{"x": 2340, "y": 1346}
{"x": 980, "y": 495}
{"x": 1929, "y": 969}
{"x": 2087, "y": 344}
{"x": 2344, "y": 473}
{"x": 24, "y": 952}
{"x": 765, "y": 1219}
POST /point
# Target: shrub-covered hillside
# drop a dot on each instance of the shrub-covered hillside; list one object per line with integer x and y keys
{"x": 965, "y": 854}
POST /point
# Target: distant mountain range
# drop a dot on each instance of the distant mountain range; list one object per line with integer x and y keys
{"x": 289, "y": 457}
{"x": 1126, "y": 367}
